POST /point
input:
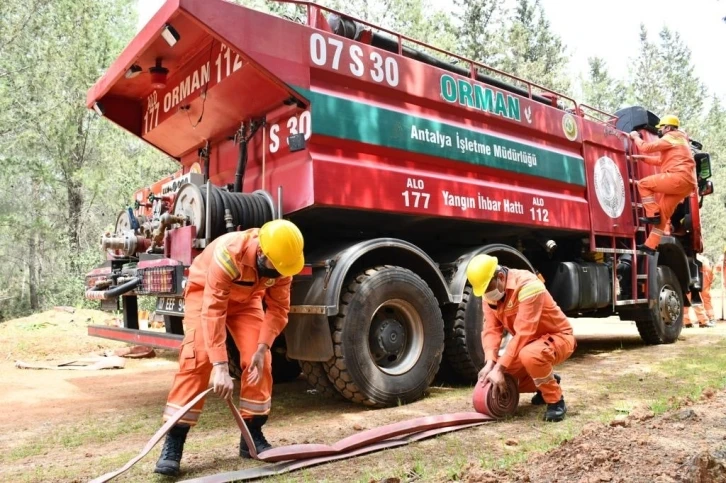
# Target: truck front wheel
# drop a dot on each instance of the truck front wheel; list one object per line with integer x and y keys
{"x": 388, "y": 338}
{"x": 664, "y": 322}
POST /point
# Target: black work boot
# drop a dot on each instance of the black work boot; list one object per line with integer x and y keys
{"x": 255, "y": 426}
{"x": 537, "y": 399}
{"x": 556, "y": 411}
{"x": 645, "y": 249}
{"x": 171, "y": 454}
{"x": 653, "y": 220}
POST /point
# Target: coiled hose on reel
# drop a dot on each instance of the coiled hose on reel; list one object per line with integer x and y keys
{"x": 242, "y": 210}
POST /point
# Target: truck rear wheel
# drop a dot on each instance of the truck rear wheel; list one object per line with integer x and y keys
{"x": 665, "y": 320}
{"x": 235, "y": 370}
{"x": 283, "y": 370}
{"x": 317, "y": 377}
{"x": 388, "y": 338}
{"x": 462, "y": 327}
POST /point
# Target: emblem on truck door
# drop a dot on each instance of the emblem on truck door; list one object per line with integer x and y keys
{"x": 609, "y": 187}
{"x": 569, "y": 126}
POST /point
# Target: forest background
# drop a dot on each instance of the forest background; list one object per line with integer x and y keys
{"x": 66, "y": 173}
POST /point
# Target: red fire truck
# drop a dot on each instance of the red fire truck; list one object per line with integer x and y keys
{"x": 399, "y": 162}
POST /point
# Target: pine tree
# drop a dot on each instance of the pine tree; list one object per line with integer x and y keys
{"x": 647, "y": 86}
{"x": 600, "y": 90}
{"x": 531, "y": 50}
{"x": 684, "y": 92}
{"x": 479, "y": 32}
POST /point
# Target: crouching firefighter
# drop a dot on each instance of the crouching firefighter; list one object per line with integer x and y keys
{"x": 225, "y": 290}
{"x": 516, "y": 300}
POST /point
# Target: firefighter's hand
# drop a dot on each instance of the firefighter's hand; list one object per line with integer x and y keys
{"x": 496, "y": 377}
{"x": 222, "y": 381}
{"x": 634, "y": 134}
{"x": 485, "y": 371}
{"x": 256, "y": 365}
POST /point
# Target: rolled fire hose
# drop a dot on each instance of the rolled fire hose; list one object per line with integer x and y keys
{"x": 489, "y": 403}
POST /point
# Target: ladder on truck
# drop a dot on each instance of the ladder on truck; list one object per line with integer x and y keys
{"x": 641, "y": 263}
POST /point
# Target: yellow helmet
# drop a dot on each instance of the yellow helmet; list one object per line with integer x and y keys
{"x": 669, "y": 120}
{"x": 282, "y": 243}
{"x": 480, "y": 271}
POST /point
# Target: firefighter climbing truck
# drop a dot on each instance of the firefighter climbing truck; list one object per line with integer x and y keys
{"x": 399, "y": 162}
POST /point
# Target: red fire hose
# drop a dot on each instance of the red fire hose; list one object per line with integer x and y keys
{"x": 489, "y": 403}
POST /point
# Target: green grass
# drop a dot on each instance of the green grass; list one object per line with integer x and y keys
{"x": 602, "y": 395}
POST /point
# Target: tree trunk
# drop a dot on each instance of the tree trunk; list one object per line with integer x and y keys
{"x": 33, "y": 271}
{"x": 75, "y": 205}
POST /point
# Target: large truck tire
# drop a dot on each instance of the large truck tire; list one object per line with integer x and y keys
{"x": 317, "y": 378}
{"x": 463, "y": 351}
{"x": 283, "y": 370}
{"x": 664, "y": 322}
{"x": 235, "y": 370}
{"x": 388, "y": 338}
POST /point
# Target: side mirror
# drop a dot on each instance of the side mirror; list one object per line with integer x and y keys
{"x": 706, "y": 189}
{"x": 703, "y": 165}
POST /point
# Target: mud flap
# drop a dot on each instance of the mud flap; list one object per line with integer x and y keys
{"x": 308, "y": 337}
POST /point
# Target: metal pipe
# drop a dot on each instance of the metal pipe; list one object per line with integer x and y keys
{"x": 241, "y": 163}
{"x": 208, "y": 215}
{"x": 279, "y": 202}
{"x": 114, "y": 292}
{"x": 166, "y": 220}
{"x": 264, "y": 146}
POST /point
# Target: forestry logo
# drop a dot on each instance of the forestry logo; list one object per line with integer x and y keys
{"x": 609, "y": 187}
{"x": 569, "y": 126}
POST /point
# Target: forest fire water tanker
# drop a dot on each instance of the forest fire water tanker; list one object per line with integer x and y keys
{"x": 399, "y": 163}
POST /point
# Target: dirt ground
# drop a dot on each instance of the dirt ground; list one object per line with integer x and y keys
{"x": 684, "y": 445}
{"x": 73, "y": 426}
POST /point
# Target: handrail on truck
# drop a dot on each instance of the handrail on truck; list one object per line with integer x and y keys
{"x": 473, "y": 65}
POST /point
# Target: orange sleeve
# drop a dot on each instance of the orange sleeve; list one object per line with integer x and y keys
{"x": 531, "y": 300}
{"x": 491, "y": 336}
{"x": 660, "y": 145}
{"x": 277, "y": 299}
{"x": 221, "y": 272}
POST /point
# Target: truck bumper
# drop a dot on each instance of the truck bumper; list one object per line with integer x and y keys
{"x": 159, "y": 340}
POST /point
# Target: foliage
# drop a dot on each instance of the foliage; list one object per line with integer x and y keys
{"x": 67, "y": 173}
{"x": 59, "y": 159}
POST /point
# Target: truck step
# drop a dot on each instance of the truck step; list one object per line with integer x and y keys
{"x": 642, "y": 277}
{"x": 631, "y": 302}
{"x": 615, "y": 250}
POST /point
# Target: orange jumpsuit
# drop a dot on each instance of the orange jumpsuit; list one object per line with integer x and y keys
{"x": 698, "y": 309}
{"x": 704, "y": 312}
{"x": 675, "y": 182}
{"x": 706, "y": 290}
{"x": 541, "y": 334}
{"x": 223, "y": 293}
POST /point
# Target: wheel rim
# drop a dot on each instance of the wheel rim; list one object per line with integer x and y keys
{"x": 669, "y": 305}
{"x": 395, "y": 339}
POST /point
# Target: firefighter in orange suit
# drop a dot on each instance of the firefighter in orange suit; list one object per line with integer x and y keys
{"x": 676, "y": 180}
{"x": 225, "y": 290}
{"x": 516, "y": 300}
{"x": 704, "y": 312}
{"x": 700, "y": 314}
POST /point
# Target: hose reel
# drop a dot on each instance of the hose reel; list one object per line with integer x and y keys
{"x": 228, "y": 211}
